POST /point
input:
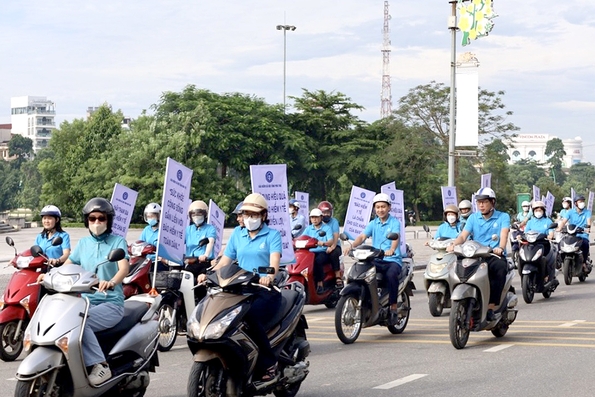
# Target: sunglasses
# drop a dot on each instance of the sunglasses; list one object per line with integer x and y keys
{"x": 100, "y": 218}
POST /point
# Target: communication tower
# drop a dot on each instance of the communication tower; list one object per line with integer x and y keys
{"x": 385, "y": 95}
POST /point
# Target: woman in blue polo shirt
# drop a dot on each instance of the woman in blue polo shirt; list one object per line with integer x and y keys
{"x": 257, "y": 245}
{"x": 52, "y": 228}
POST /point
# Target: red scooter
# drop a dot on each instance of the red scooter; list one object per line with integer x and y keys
{"x": 20, "y": 299}
{"x": 303, "y": 271}
{"x": 138, "y": 280}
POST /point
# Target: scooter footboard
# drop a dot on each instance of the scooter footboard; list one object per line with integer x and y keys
{"x": 464, "y": 291}
{"x": 41, "y": 360}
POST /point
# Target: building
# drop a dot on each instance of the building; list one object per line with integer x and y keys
{"x": 532, "y": 147}
{"x": 5, "y": 137}
{"x": 33, "y": 117}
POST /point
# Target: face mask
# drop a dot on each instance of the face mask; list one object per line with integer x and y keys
{"x": 252, "y": 224}
{"x": 325, "y": 219}
{"x": 451, "y": 218}
{"x": 198, "y": 220}
{"x": 565, "y": 205}
{"x": 97, "y": 228}
{"x": 581, "y": 205}
{"x": 152, "y": 222}
{"x": 466, "y": 215}
{"x": 291, "y": 211}
{"x": 538, "y": 214}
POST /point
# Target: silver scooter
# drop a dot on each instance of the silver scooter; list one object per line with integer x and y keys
{"x": 437, "y": 278}
{"x": 55, "y": 365}
{"x": 471, "y": 293}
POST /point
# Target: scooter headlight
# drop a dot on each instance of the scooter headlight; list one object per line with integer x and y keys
{"x": 537, "y": 255}
{"x": 469, "y": 250}
{"x": 23, "y": 261}
{"x": 63, "y": 282}
{"x": 437, "y": 267}
{"x": 218, "y": 327}
{"x": 362, "y": 255}
{"x": 136, "y": 250}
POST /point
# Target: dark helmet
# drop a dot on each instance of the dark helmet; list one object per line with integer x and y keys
{"x": 325, "y": 206}
{"x": 579, "y": 197}
{"x": 238, "y": 210}
{"x": 99, "y": 204}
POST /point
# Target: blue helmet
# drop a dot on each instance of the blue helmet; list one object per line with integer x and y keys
{"x": 295, "y": 203}
{"x": 238, "y": 210}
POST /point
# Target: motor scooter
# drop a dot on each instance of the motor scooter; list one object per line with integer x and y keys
{"x": 303, "y": 271}
{"x": 138, "y": 280}
{"x": 55, "y": 364}
{"x": 571, "y": 255}
{"x": 537, "y": 263}
{"x": 437, "y": 275}
{"x": 364, "y": 300}
{"x": 20, "y": 299}
{"x": 470, "y": 295}
{"x": 224, "y": 354}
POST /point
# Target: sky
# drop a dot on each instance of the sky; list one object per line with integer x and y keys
{"x": 127, "y": 53}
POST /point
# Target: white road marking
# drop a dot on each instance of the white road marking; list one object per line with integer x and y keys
{"x": 400, "y": 382}
{"x": 498, "y": 348}
{"x": 572, "y": 323}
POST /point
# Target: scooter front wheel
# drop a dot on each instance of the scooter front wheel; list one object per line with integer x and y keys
{"x": 435, "y": 304}
{"x": 567, "y": 271}
{"x": 528, "y": 282}
{"x": 39, "y": 386}
{"x": 458, "y": 324}
{"x": 348, "y": 319}
{"x": 11, "y": 343}
{"x": 168, "y": 328}
{"x": 404, "y": 309}
{"x": 203, "y": 379}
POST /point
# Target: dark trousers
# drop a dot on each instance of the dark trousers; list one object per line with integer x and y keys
{"x": 334, "y": 258}
{"x": 391, "y": 272}
{"x": 320, "y": 259}
{"x": 585, "y": 249}
{"x": 497, "y": 269}
{"x": 265, "y": 305}
{"x": 197, "y": 268}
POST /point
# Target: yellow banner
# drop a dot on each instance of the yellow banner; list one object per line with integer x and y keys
{"x": 475, "y": 19}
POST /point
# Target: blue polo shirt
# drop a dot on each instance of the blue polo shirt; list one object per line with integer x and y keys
{"x": 333, "y": 223}
{"x": 252, "y": 253}
{"x": 48, "y": 249}
{"x": 378, "y": 230}
{"x": 91, "y": 251}
{"x": 482, "y": 230}
{"x": 194, "y": 235}
{"x": 150, "y": 235}
{"x": 579, "y": 219}
{"x": 312, "y": 231}
{"x": 563, "y": 213}
{"x": 521, "y": 216}
{"x": 540, "y": 225}
{"x": 445, "y": 230}
{"x": 298, "y": 220}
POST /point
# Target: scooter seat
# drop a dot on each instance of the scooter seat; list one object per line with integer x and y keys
{"x": 133, "y": 312}
{"x": 288, "y": 298}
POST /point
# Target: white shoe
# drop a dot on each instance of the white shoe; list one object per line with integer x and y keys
{"x": 99, "y": 374}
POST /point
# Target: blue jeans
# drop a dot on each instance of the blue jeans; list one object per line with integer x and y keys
{"x": 103, "y": 316}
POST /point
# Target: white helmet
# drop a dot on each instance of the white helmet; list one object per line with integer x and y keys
{"x": 538, "y": 204}
{"x": 381, "y": 197}
{"x": 315, "y": 212}
{"x": 51, "y": 210}
{"x": 525, "y": 204}
{"x": 152, "y": 208}
{"x": 485, "y": 193}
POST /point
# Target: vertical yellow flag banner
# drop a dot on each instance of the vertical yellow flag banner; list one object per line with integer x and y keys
{"x": 475, "y": 19}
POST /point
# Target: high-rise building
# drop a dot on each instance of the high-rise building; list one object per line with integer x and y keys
{"x": 33, "y": 117}
{"x": 532, "y": 147}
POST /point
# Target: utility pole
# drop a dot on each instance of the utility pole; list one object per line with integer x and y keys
{"x": 285, "y": 28}
{"x": 385, "y": 95}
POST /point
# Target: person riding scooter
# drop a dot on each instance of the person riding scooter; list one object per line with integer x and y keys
{"x": 325, "y": 240}
{"x": 334, "y": 250}
{"x": 451, "y": 227}
{"x": 581, "y": 217}
{"x": 489, "y": 227}
{"x": 541, "y": 223}
{"x": 296, "y": 219}
{"x": 52, "y": 228}
{"x": 465, "y": 209}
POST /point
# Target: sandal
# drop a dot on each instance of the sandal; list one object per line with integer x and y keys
{"x": 269, "y": 374}
{"x": 339, "y": 283}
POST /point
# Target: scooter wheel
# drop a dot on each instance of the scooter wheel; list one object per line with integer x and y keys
{"x": 168, "y": 328}
{"x": 348, "y": 319}
{"x": 11, "y": 344}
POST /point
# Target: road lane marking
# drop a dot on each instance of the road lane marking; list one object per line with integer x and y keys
{"x": 498, "y": 348}
{"x": 400, "y": 382}
{"x": 572, "y": 323}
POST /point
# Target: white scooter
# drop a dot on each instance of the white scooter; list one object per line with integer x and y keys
{"x": 437, "y": 278}
{"x": 55, "y": 365}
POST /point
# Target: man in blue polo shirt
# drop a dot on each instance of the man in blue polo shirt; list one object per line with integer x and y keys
{"x": 581, "y": 217}
{"x": 378, "y": 229}
{"x": 489, "y": 227}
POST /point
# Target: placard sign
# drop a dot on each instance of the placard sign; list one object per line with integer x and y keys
{"x": 397, "y": 209}
{"x": 304, "y": 199}
{"x": 217, "y": 220}
{"x": 536, "y": 193}
{"x": 173, "y": 222}
{"x": 549, "y": 203}
{"x": 449, "y": 196}
{"x": 123, "y": 200}
{"x": 358, "y": 211}
{"x": 590, "y": 202}
{"x": 270, "y": 180}
{"x": 486, "y": 180}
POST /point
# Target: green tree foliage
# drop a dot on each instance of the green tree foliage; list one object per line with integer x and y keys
{"x": 9, "y": 185}
{"x": 22, "y": 147}
{"x": 581, "y": 177}
{"x": 555, "y": 149}
{"x": 495, "y": 162}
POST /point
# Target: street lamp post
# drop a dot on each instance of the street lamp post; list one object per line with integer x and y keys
{"x": 285, "y": 28}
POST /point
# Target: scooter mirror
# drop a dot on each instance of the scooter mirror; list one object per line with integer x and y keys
{"x": 297, "y": 227}
{"x": 116, "y": 255}
{"x": 266, "y": 270}
{"x": 426, "y": 229}
{"x": 9, "y": 241}
{"x": 322, "y": 233}
{"x": 514, "y": 226}
{"x": 57, "y": 241}
{"x": 36, "y": 251}
{"x": 343, "y": 237}
{"x": 392, "y": 236}
{"x": 203, "y": 242}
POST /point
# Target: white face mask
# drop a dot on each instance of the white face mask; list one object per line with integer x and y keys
{"x": 198, "y": 220}
{"x": 252, "y": 224}
{"x": 565, "y": 205}
{"x": 97, "y": 228}
{"x": 538, "y": 214}
{"x": 581, "y": 205}
{"x": 451, "y": 218}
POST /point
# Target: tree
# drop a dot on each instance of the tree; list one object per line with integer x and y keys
{"x": 428, "y": 106}
{"x": 22, "y": 147}
{"x": 9, "y": 184}
{"x": 555, "y": 149}
{"x": 581, "y": 177}
{"x": 495, "y": 162}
